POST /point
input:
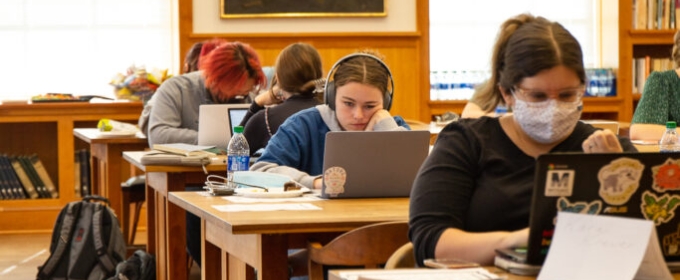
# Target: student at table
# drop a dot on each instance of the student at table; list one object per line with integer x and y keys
{"x": 230, "y": 73}
{"x": 298, "y": 85}
{"x": 358, "y": 96}
{"x": 473, "y": 193}
{"x": 660, "y": 101}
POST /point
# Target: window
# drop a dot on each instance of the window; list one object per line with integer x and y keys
{"x": 77, "y": 46}
{"x": 462, "y": 33}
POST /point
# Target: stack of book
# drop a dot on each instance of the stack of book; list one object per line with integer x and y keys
{"x": 656, "y": 14}
{"x": 25, "y": 177}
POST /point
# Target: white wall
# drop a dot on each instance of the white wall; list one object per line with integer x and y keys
{"x": 401, "y": 17}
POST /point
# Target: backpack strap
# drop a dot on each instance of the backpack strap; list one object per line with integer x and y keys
{"x": 108, "y": 263}
{"x": 72, "y": 213}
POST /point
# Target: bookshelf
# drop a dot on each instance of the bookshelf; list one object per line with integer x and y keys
{"x": 636, "y": 43}
{"x": 46, "y": 129}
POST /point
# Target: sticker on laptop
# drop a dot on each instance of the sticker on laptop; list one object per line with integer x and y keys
{"x": 559, "y": 182}
{"x": 666, "y": 176}
{"x": 659, "y": 209}
{"x": 334, "y": 178}
{"x": 670, "y": 244}
{"x": 619, "y": 180}
{"x": 581, "y": 207}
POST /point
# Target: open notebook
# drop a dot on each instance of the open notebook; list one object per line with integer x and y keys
{"x": 372, "y": 163}
{"x": 216, "y": 123}
{"x": 634, "y": 185}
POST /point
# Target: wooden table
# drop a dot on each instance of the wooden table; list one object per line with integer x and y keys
{"x": 166, "y": 222}
{"x": 108, "y": 169}
{"x": 230, "y": 240}
{"x": 333, "y": 274}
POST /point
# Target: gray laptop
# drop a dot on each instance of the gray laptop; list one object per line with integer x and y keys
{"x": 216, "y": 123}
{"x": 362, "y": 164}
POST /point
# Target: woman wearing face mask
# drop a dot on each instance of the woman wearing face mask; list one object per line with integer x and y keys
{"x": 473, "y": 193}
{"x": 360, "y": 83}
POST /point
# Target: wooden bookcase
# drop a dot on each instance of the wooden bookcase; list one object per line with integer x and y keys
{"x": 635, "y": 44}
{"x": 46, "y": 129}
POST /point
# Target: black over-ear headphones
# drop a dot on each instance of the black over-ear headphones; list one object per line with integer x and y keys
{"x": 329, "y": 88}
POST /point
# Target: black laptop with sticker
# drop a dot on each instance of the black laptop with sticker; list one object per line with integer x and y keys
{"x": 635, "y": 185}
{"x": 362, "y": 164}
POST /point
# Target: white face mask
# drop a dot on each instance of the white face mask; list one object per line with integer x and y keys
{"x": 548, "y": 121}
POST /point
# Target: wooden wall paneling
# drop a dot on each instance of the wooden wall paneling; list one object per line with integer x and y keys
{"x": 406, "y": 53}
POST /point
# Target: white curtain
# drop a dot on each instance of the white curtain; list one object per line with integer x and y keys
{"x": 77, "y": 46}
{"x": 462, "y": 33}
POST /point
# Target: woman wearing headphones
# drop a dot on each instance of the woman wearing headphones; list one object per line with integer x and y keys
{"x": 358, "y": 95}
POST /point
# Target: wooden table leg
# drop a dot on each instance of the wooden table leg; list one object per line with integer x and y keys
{"x": 211, "y": 257}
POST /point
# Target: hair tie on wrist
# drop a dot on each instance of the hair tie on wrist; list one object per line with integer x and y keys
{"x": 319, "y": 85}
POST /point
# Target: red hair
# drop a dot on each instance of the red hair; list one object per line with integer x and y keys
{"x": 228, "y": 67}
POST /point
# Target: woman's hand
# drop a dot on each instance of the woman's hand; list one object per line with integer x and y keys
{"x": 269, "y": 97}
{"x": 318, "y": 183}
{"x": 602, "y": 141}
{"x": 377, "y": 117}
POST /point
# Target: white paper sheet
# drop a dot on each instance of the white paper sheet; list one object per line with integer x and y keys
{"x": 265, "y": 207}
{"x": 603, "y": 247}
{"x": 241, "y": 199}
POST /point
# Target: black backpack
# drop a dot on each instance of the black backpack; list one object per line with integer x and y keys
{"x": 87, "y": 242}
{"x": 140, "y": 266}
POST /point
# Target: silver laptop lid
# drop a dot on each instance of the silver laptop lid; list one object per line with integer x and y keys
{"x": 360, "y": 164}
{"x": 216, "y": 123}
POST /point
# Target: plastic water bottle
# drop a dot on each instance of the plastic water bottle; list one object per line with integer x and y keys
{"x": 669, "y": 141}
{"x": 238, "y": 153}
{"x": 434, "y": 85}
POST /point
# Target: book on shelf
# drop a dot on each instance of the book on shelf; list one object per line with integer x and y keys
{"x": 6, "y": 191}
{"x": 640, "y": 14}
{"x": 187, "y": 149}
{"x": 23, "y": 178}
{"x": 12, "y": 179}
{"x": 85, "y": 179}
{"x": 33, "y": 175}
{"x": 44, "y": 176}
{"x": 76, "y": 175}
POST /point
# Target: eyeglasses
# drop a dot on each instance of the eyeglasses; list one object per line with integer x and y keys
{"x": 564, "y": 95}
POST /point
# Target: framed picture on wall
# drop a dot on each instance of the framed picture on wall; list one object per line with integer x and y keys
{"x": 302, "y": 8}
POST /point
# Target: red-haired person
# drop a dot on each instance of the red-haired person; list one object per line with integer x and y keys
{"x": 230, "y": 73}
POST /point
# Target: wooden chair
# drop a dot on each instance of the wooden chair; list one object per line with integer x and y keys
{"x": 402, "y": 258}
{"x": 134, "y": 193}
{"x": 369, "y": 246}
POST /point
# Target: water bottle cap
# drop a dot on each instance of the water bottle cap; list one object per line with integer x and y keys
{"x": 671, "y": 124}
{"x": 238, "y": 129}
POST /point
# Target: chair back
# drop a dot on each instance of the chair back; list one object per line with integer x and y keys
{"x": 402, "y": 258}
{"x": 369, "y": 246}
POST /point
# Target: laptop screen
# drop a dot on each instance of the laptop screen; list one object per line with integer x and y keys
{"x": 236, "y": 115}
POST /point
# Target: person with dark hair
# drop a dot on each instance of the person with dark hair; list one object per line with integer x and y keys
{"x": 473, "y": 193}
{"x": 660, "y": 101}
{"x": 298, "y": 85}
{"x": 357, "y": 98}
{"x": 191, "y": 58}
{"x": 230, "y": 73}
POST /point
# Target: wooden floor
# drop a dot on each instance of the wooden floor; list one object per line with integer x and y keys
{"x": 21, "y": 254}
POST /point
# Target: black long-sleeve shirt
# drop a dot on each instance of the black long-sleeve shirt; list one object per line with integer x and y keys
{"x": 477, "y": 180}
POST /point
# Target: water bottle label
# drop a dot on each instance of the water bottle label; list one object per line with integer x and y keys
{"x": 238, "y": 163}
